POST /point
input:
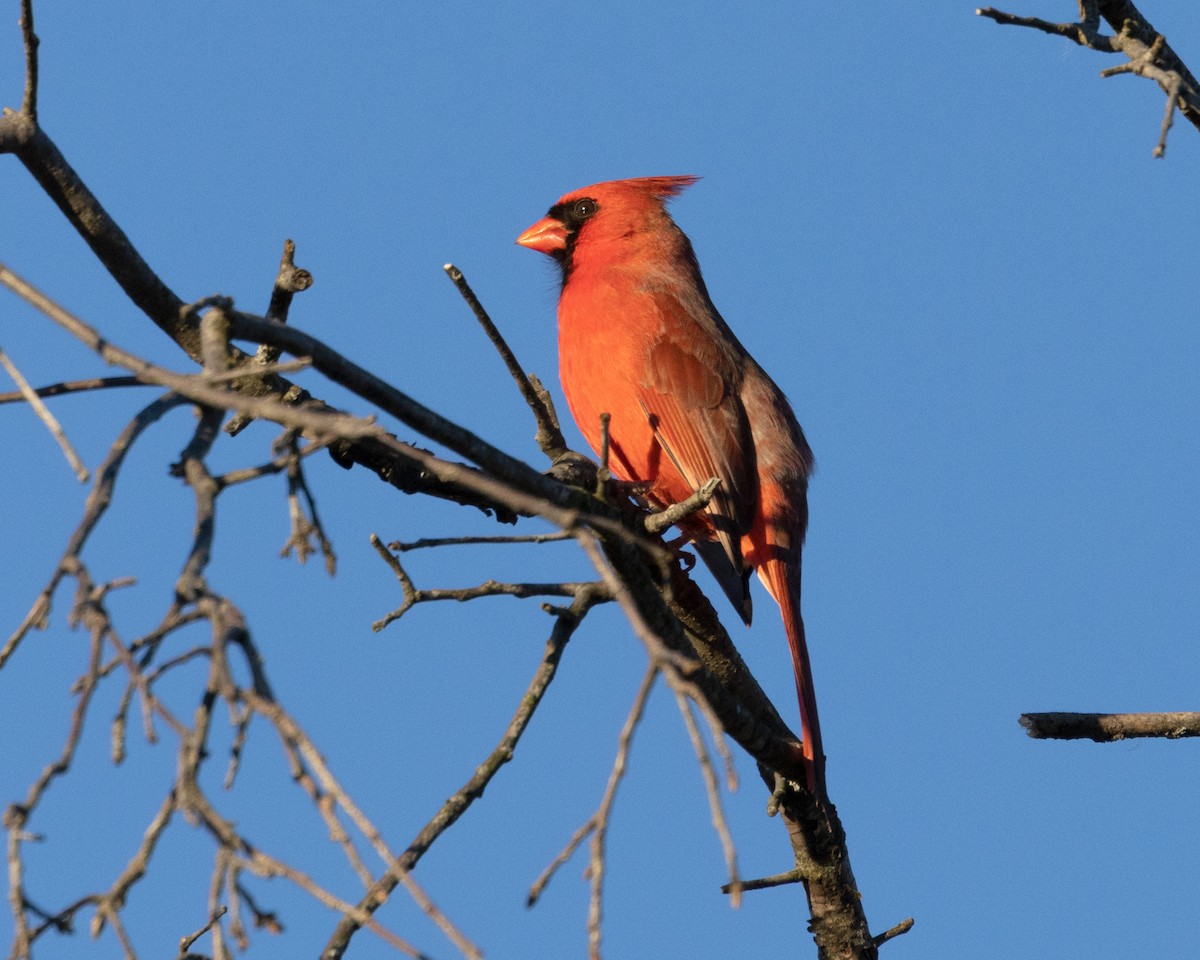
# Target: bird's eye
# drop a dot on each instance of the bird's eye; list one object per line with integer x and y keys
{"x": 583, "y": 209}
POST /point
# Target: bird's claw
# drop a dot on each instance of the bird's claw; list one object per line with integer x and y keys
{"x": 676, "y": 546}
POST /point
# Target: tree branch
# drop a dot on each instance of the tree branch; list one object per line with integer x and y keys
{"x": 1110, "y": 727}
{"x": 1149, "y": 54}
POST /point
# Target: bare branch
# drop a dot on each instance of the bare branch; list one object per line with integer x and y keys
{"x": 549, "y": 435}
{"x": 289, "y": 281}
{"x": 185, "y": 943}
{"x": 46, "y": 417}
{"x": 490, "y": 588}
{"x": 600, "y": 821}
{"x": 306, "y": 523}
{"x": 1083, "y": 33}
{"x": 428, "y": 542}
{"x": 661, "y": 654}
{"x": 713, "y": 790}
{"x": 264, "y": 919}
{"x": 233, "y": 376}
{"x": 898, "y": 930}
{"x": 17, "y": 815}
{"x": 278, "y": 465}
{"x": 30, "y": 40}
{"x": 656, "y": 523}
{"x": 513, "y": 484}
{"x": 766, "y": 883}
{"x": 1149, "y": 54}
{"x": 1110, "y": 727}
{"x": 74, "y": 386}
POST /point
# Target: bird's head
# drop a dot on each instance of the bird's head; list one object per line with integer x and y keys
{"x": 595, "y": 216}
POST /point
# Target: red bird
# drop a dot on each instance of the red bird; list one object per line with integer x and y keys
{"x": 640, "y": 339}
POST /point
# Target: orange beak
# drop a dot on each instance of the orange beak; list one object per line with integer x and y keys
{"x": 547, "y": 236}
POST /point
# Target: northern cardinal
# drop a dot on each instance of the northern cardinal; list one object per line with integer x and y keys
{"x": 640, "y": 339}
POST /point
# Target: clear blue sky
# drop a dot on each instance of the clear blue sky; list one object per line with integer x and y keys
{"x": 948, "y": 242}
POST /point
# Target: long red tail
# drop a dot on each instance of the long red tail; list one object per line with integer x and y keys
{"x": 783, "y": 582}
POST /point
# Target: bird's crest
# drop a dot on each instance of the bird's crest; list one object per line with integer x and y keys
{"x": 664, "y": 188}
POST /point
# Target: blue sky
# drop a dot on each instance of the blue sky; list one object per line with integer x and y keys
{"x": 946, "y": 240}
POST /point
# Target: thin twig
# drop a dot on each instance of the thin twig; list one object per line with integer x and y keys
{"x": 429, "y": 542}
{"x": 74, "y": 386}
{"x": 490, "y": 588}
{"x": 549, "y": 435}
{"x": 264, "y": 865}
{"x": 288, "y": 366}
{"x": 47, "y": 418}
{"x": 17, "y": 815}
{"x": 278, "y": 465}
{"x": 604, "y": 475}
{"x": 597, "y": 860}
{"x": 306, "y": 524}
{"x": 1077, "y": 32}
{"x": 713, "y": 791}
{"x": 660, "y": 654}
{"x": 185, "y": 943}
{"x": 656, "y": 523}
{"x": 264, "y": 919}
{"x": 222, "y": 865}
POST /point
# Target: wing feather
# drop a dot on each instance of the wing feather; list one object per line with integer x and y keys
{"x": 690, "y": 396}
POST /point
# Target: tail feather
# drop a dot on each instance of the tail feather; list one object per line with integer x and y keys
{"x": 783, "y": 583}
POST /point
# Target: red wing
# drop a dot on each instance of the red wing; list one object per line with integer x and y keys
{"x": 690, "y": 397}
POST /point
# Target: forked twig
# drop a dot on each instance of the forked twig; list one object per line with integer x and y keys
{"x": 490, "y": 588}
{"x": 306, "y": 522}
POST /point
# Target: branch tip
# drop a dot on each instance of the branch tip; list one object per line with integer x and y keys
{"x": 898, "y": 930}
